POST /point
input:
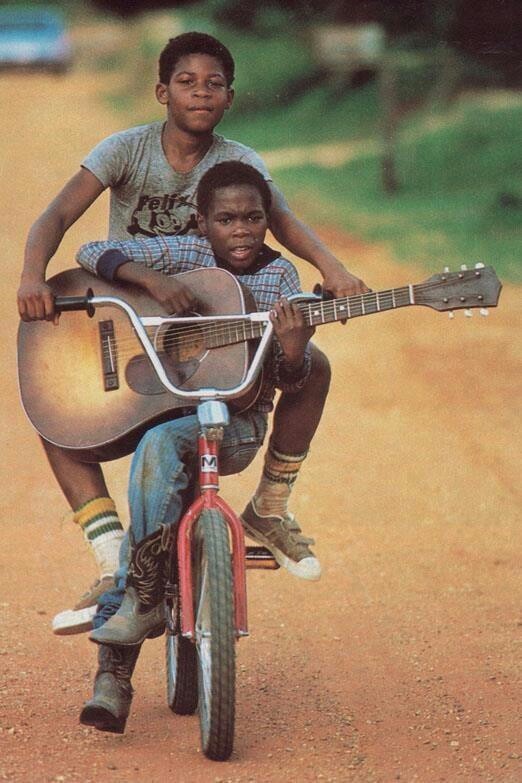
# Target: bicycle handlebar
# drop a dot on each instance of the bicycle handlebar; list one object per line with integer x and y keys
{"x": 90, "y": 301}
{"x": 64, "y": 304}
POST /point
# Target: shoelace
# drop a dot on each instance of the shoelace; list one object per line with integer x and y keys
{"x": 289, "y": 524}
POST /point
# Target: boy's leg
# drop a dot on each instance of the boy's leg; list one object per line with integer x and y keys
{"x": 109, "y": 707}
{"x": 297, "y": 415}
{"x": 84, "y": 487}
{"x": 158, "y": 478}
{"x": 266, "y": 517}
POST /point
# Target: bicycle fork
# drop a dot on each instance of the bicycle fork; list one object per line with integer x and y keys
{"x": 213, "y": 417}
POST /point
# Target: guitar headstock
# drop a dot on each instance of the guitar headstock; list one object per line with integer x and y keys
{"x": 463, "y": 290}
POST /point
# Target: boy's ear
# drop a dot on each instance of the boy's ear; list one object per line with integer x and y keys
{"x": 230, "y": 98}
{"x": 161, "y": 93}
{"x": 202, "y": 224}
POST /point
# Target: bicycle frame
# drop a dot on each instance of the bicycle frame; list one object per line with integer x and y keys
{"x": 213, "y": 418}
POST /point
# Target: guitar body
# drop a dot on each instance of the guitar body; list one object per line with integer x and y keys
{"x": 86, "y": 384}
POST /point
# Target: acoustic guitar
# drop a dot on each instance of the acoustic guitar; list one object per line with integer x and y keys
{"x": 87, "y": 385}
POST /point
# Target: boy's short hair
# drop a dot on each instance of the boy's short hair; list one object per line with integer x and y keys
{"x": 194, "y": 43}
{"x": 226, "y": 174}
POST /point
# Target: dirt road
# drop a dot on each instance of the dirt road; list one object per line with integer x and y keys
{"x": 404, "y": 661}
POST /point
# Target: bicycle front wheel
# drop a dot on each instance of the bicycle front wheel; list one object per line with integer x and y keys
{"x": 182, "y": 674}
{"x": 215, "y": 635}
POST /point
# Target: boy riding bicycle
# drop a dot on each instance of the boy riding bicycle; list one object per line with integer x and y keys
{"x": 234, "y": 202}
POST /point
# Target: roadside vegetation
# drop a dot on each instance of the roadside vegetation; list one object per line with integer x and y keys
{"x": 459, "y": 199}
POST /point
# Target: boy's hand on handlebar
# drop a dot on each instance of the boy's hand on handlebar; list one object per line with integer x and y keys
{"x": 291, "y": 331}
{"x": 36, "y": 301}
{"x": 173, "y": 296}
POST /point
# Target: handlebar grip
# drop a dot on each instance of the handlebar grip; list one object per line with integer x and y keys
{"x": 64, "y": 304}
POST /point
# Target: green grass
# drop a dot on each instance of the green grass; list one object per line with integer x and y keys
{"x": 460, "y": 197}
{"x": 318, "y": 116}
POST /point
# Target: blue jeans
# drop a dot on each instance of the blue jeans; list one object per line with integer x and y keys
{"x": 162, "y": 468}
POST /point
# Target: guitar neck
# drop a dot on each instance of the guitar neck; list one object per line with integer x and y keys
{"x": 330, "y": 310}
{"x": 315, "y": 313}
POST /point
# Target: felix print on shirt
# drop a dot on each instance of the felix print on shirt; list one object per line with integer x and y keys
{"x": 171, "y": 214}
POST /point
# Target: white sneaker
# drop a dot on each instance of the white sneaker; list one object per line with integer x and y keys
{"x": 73, "y": 621}
{"x": 285, "y": 539}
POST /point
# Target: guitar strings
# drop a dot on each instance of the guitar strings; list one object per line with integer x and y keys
{"x": 190, "y": 335}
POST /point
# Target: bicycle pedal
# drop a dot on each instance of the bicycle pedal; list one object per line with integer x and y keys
{"x": 260, "y": 557}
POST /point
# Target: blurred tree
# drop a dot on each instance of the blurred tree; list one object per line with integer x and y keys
{"x": 488, "y": 31}
{"x": 126, "y": 8}
{"x": 491, "y": 32}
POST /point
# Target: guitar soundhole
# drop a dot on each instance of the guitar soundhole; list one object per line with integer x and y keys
{"x": 181, "y": 344}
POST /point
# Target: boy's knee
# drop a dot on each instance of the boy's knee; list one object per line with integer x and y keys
{"x": 321, "y": 372}
{"x": 152, "y": 445}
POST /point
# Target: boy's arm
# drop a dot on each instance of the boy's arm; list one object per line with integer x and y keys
{"x": 303, "y": 242}
{"x": 35, "y": 299}
{"x": 144, "y": 263}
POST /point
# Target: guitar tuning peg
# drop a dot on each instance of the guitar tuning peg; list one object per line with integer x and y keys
{"x": 484, "y": 311}
{"x": 479, "y": 265}
{"x": 446, "y": 269}
{"x": 463, "y": 267}
{"x": 451, "y": 314}
{"x": 468, "y": 313}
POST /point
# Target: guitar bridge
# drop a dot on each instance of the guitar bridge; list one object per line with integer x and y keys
{"x": 108, "y": 354}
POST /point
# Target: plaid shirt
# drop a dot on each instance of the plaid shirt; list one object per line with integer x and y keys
{"x": 271, "y": 278}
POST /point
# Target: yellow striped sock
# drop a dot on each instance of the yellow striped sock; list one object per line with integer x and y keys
{"x": 279, "y": 474}
{"x": 103, "y": 530}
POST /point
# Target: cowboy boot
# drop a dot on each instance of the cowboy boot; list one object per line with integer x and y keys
{"x": 142, "y": 610}
{"x": 109, "y": 707}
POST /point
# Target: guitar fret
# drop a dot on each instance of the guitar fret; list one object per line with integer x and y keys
{"x": 370, "y": 302}
{"x": 383, "y": 301}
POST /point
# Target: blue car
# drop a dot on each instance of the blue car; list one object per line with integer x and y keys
{"x": 34, "y": 37}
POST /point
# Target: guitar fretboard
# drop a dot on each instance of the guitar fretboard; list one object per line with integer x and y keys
{"x": 330, "y": 310}
{"x": 315, "y": 313}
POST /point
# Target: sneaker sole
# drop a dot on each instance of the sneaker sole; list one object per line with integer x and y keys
{"x": 311, "y": 571}
{"x": 71, "y": 621}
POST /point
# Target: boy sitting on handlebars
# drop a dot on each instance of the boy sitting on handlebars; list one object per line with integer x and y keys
{"x": 233, "y": 205}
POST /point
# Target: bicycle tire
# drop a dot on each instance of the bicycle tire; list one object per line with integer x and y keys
{"x": 182, "y": 674}
{"x": 215, "y": 636}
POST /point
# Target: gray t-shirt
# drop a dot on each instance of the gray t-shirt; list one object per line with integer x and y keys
{"x": 149, "y": 198}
